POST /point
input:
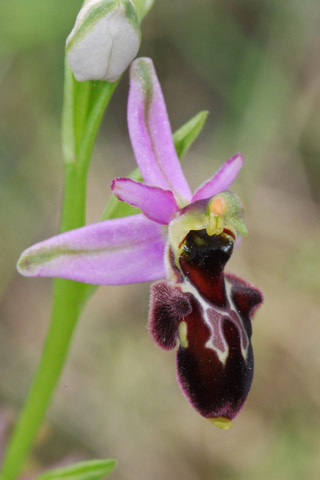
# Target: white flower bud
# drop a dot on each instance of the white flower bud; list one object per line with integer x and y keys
{"x": 104, "y": 40}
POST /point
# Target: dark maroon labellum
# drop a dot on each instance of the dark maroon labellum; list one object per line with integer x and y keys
{"x": 208, "y": 314}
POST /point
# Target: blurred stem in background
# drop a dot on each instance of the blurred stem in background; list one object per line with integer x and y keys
{"x": 84, "y": 106}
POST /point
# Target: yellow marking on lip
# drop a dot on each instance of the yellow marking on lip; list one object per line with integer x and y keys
{"x": 183, "y": 332}
{"x": 221, "y": 422}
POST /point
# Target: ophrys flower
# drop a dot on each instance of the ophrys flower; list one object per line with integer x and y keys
{"x": 183, "y": 237}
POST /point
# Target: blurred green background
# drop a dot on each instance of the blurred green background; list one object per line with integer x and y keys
{"x": 255, "y": 65}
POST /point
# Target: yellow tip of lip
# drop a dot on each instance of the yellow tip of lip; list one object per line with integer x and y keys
{"x": 221, "y": 422}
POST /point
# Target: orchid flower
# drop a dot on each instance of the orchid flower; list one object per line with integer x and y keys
{"x": 182, "y": 239}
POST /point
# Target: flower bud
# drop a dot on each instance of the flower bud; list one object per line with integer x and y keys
{"x": 104, "y": 40}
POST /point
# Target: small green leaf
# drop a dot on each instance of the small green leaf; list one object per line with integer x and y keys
{"x": 186, "y": 135}
{"x": 89, "y": 470}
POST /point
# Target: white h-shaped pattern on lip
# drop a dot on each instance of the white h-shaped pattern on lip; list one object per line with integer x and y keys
{"x": 214, "y": 317}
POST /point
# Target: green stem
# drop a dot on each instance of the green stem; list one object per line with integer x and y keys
{"x": 83, "y": 94}
{"x": 65, "y": 312}
{"x": 68, "y": 296}
{"x": 101, "y": 102}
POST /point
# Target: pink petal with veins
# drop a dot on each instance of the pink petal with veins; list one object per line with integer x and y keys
{"x": 157, "y": 204}
{"x": 221, "y": 180}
